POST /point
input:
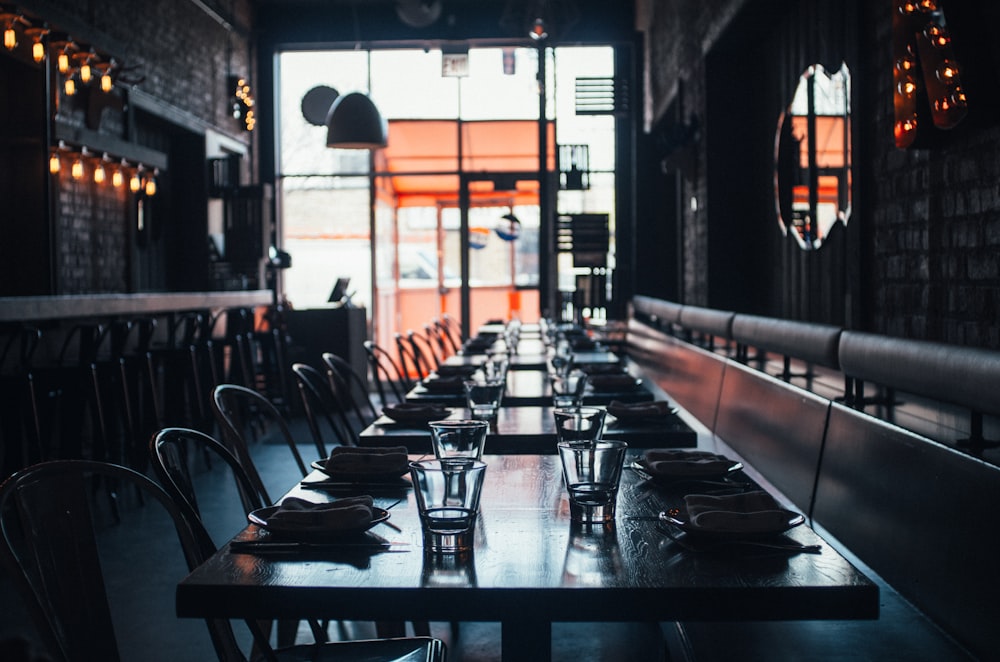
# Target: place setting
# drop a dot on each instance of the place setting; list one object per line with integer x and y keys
{"x": 349, "y": 468}
{"x": 413, "y": 414}
{"x": 337, "y": 530}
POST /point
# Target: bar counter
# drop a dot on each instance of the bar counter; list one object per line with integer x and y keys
{"x": 24, "y": 309}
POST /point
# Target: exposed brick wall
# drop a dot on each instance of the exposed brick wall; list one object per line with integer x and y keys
{"x": 184, "y": 56}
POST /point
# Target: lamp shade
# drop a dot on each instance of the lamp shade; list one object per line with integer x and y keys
{"x": 355, "y": 123}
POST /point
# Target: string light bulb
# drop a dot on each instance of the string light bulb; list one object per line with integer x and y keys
{"x": 37, "y": 47}
{"x": 77, "y": 168}
{"x": 100, "y": 174}
{"x": 118, "y": 176}
{"x": 54, "y": 163}
{"x": 62, "y": 62}
{"x": 151, "y": 183}
{"x": 135, "y": 181}
{"x": 106, "y": 82}
{"x": 9, "y": 34}
{"x": 70, "y": 86}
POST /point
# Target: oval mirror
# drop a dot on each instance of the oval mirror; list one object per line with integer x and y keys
{"x": 812, "y": 156}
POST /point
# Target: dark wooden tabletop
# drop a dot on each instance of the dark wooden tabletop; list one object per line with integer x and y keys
{"x": 532, "y": 430}
{"x": 531, "y": 567}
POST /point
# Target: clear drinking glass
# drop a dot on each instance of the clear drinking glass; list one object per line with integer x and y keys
{"x": 592, "y": 473}
{"x": 463, "y": 438}
{"x": 484, "y": 397}
{"x": 447, "y": 493}
{"x": 579, "y": 424}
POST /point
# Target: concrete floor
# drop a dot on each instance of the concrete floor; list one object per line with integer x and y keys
{"x": 155, "y": 561}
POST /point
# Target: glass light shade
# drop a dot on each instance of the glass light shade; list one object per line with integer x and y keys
{"x": 354, "y": 122}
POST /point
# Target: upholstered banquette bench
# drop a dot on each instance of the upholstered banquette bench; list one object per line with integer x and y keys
{"x": 912, "y": 512}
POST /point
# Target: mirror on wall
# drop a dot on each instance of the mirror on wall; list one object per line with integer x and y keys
{"x": 813, "y": 157}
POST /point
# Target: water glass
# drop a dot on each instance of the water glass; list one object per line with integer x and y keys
{"x": 592, "y": 473}
{"x": 579, "y": 424}
{"x": 484, "y": 397}
{"x": 447, "y": 493}
{"x": 568, "y": 391}
{"x": 463, "y": 438}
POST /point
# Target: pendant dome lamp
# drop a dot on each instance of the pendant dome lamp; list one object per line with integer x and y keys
{"x": 353, "y": 122}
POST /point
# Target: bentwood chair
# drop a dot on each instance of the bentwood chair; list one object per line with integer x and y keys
{"x": 352, "y": 386}
{"x": 81, "y": 587}
{"x": 423, "y": 351}
{"x": 390, "y": 380}
{"x": 323, "y": 410}
{"x": 245, "y": 416}
{"x": 408, "y": 361}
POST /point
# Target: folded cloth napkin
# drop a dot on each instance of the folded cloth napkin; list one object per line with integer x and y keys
{"x": 613, "y": 382}
{"x": 415, "y": 412}
{"x": 639, "y": 410}
{"x": 301, "y": 515}
{"x": 375, "y": 460}
{"x": 451, "y": 384}
{"x": 452, "y": 370}
{"x": 678, "y": 463}
{"x": 750, "y": 512}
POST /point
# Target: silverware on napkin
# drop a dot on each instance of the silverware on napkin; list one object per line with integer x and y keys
{"x": 294, "y": 547}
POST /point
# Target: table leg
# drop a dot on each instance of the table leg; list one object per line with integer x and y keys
{"x": 526, "y": 640}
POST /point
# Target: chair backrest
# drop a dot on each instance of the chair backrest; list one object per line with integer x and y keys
{"x": 242, "y": 414}
{"x": 352, "y": 386}
{"x": 408, "y": 361}
{"x": 423, "y": 348}
{"x": 50, "y": 546}
{"x": 321, "y": 407}
{"x": 450, "y": 332}
{"x": 390, "y": 382}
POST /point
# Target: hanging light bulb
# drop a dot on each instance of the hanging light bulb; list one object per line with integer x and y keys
{"x": 135, "y": 181}
{"x": 54, "y": 163}
{"x": 77, "y": 169}
{"x": 106, "y": 82}
{"x": 85, "y": 72}
{"x": 37, "y": 47}
{"x": 151, "y": 183}
{"x": 99, "y": 172}
{"x": 70, "y": 87}
{"x": 9, "y": 34}
{"x": 62, "y": 62}
{"x": 118, "y": 176}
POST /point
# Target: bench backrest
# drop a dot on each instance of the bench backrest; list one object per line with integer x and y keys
{"x": 691, "y": 376}
{"x": 921, "y": 515}
{"x": 776, "y": 427}
{"x": 813, "y": 343}
{"x": 965, "y": 376}
{"x": 708, "y": 323}
{"x": 660, "y": 314}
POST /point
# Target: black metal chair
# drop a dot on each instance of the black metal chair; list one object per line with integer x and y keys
{"x": 390, "y": 380}
{"x": 352, "y": 386}
{"x": 408, "y": 361}
{"x": 50, "y": 527}
{"x": 323, "y": 410}
{"x": 246, "y": 416}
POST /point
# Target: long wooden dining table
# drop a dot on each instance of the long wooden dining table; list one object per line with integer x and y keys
{"x": 530, "y": 567}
